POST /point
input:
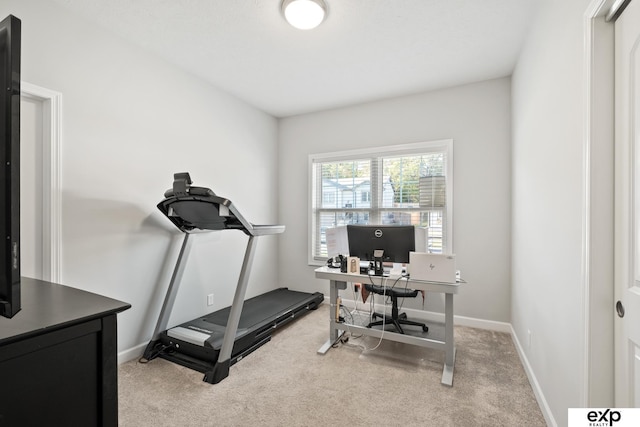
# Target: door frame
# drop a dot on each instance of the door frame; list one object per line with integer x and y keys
{"x": 51, "y": 189}
{"x": 598, "y": 206}
{"x": 598, "y": 274}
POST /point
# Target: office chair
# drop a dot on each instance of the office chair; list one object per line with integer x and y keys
{"x": 397, "y": 318}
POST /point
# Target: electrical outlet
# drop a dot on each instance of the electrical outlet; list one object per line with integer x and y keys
{"x": 209, "y": 299}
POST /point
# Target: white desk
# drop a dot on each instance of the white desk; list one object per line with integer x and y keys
{"x": 338, "y": 281}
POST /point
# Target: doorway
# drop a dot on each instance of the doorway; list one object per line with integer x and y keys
{"x": 40, "y": 196}
{"x": 31, "y": 194}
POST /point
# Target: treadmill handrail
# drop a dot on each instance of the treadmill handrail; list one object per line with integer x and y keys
{"x": 262, "y": 230}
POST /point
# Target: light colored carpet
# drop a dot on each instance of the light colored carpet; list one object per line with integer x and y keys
{"x": 286, "y": 383}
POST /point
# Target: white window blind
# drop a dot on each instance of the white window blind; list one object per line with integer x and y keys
{"x": 405, "y": 185}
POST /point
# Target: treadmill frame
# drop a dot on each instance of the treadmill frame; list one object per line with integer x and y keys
{"x": 221, "y": 368}
{"x": 234, "y": 221}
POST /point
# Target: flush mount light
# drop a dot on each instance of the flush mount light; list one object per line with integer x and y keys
{"x": 304, "y": 14}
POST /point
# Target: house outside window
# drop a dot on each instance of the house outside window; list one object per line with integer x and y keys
{"x": 409, "y": 184}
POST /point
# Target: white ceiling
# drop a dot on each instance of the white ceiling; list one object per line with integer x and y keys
{"x": 365, "y": 50}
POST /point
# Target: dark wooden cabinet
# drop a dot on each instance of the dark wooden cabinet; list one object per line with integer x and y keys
{"x": 58, "y": 358}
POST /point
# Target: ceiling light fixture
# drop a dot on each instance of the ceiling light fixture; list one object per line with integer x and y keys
{"x": 304, "y": 14}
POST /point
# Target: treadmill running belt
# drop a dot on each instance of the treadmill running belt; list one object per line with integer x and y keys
{"x": 196, "y": 344}
{"x": 260, "y": 309}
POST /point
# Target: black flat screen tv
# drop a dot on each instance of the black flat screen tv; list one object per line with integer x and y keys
{"x": 10, "y": 31}
{"x": 395, "y": 240}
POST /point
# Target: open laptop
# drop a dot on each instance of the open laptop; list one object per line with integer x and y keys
{"x": 432, "y": 267}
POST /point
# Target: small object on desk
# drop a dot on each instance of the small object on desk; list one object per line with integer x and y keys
{"x": 353, "y": 264}
{"x": 432, "y": 267}
{"x": 343, "y": 264}
{"x": 377, "y": 262}
{"x": 397, "y": 271}
{"x": 334, "y": 262}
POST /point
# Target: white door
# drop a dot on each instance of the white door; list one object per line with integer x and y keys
{"x": 31, "y": 179}
{"x": 627, "y": 208}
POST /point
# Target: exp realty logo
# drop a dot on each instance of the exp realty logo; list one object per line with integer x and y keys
{"x": 604, "y": 417}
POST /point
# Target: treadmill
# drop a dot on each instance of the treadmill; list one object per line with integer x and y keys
{"x": 212, "y": 343}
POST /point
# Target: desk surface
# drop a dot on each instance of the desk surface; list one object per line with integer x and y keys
{"x": 335, "y": 274}
{"x": 48, "y": 306}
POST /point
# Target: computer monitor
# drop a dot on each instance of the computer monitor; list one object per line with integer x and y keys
{"x": 395, "y": 240}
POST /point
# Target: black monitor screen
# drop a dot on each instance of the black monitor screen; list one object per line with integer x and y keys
{"x": 395, "y": 240}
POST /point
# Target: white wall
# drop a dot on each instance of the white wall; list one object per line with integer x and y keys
{"x": 549, "y": 179}
{"x": 130, "y": 121}
{"x": 477, "y": 118}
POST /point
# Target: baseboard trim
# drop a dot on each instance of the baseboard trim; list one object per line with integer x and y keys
{"x": 131, "y": 353}
{"x": 413, "y": 313}
{"x": 537, "y": 391}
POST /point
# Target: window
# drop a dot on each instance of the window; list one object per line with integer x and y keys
{"x": 405, "y": 184}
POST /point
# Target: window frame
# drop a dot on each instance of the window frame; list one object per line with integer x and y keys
{"x": 445, "y": 145}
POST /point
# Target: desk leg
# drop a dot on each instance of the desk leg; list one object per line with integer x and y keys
{"x": 450, "y": 351}
{"x": 334, "y": 333}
